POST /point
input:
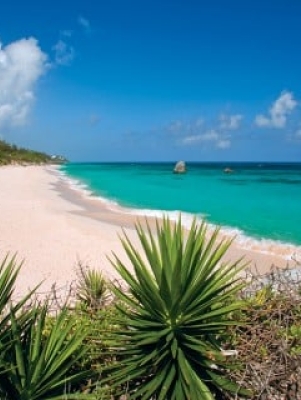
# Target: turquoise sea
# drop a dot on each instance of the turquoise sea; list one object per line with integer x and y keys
{"x": 261, "y": 201}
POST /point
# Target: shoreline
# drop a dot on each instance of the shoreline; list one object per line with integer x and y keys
{"x": 85, "y": 197}
{"x": 52, "y": 226}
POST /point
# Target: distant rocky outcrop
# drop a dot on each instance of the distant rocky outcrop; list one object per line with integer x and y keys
{"x": 180, "y": 168}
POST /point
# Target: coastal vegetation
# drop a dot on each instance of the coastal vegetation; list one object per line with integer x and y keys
{"x": 12, "y": 154}
{"x": 182, "y": 325}
{"x": 175, "y": 315}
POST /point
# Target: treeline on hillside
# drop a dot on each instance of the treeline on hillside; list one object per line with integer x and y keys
{"x": 12, "y": 154}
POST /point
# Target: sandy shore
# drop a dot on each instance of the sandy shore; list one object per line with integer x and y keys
{"x": 52, "y": 226}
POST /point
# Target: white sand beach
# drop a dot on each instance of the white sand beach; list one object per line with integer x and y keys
{"x": 51, "y": 227}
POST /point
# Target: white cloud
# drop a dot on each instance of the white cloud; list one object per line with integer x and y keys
{"x": 84, "y": 23}
{"x": 210, "y": 136}
{"x": 278, "y": 113}
{"x": 21, "y": 65}
{"x": 64, "y": 54}
{"x": 230, "y": 122}
{"x": 203, "y": 137}
{"x": 192, "y": 139}
{"x": 261, "y": 120}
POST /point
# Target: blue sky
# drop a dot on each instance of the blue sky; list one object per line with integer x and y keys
{"x": 152, "y": 80}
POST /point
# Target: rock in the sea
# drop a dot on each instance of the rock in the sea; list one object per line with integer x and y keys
{"x": 180, "y": 167}
{"x": 228, "y": 171}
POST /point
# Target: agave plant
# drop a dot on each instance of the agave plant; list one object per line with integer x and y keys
{"x": 174, "y": 315}
{"x": 8, "y": 274}
{"x": 92, "y": 287}
{"x": 39, "y": 366}
{"x": 34, "y": 365}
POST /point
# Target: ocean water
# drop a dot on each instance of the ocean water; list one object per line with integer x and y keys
{"x": 256, "y": 201}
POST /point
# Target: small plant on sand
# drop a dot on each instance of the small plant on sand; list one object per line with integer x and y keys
{"x": 174, "y": 316}
{"x": 92, "y": 288}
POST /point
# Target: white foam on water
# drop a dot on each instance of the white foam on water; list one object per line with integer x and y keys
{"x": 84, "y": 190}
{"x": 262, "y": 245}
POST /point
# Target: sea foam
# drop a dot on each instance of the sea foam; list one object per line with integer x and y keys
{"x": 247, "y": 242}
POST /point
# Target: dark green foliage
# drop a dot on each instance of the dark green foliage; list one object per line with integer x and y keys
{"x": 38, "y": 366}
{"x": 8, "y": 275}
{"x": 174, "y": 316}
{"x": 11, "y": 154}
{"x": 36, "y": 359}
